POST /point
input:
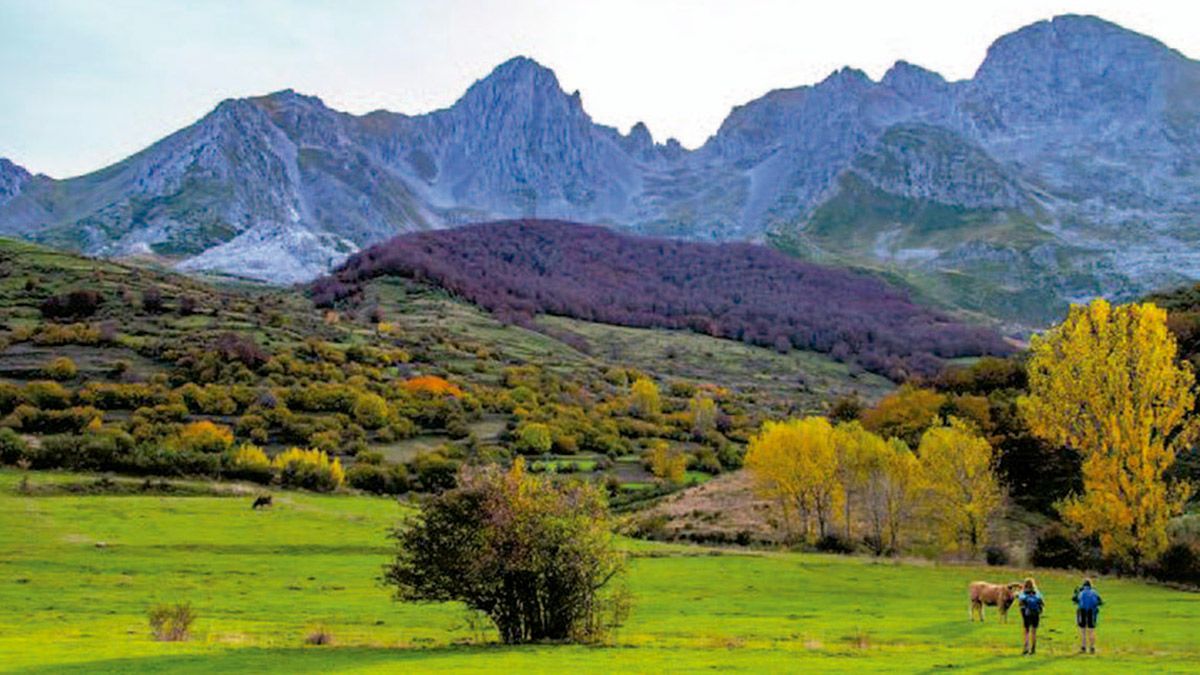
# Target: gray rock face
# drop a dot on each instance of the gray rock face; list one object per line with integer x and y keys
{"x": 1068, "y": 165}
{"x": 12, "y": 179}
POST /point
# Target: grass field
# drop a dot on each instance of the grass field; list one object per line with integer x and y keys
{"x": 261, "y": 580}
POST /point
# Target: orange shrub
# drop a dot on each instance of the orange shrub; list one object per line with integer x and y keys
{"x": 432, "y": 385}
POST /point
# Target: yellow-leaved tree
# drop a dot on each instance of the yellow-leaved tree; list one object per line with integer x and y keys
{"x": 645, "y": 401}
{"x": 963, "y": 493}
{"x": 860, "y": 454}
{"x": 794, "y": 463}
{"x": 891, "y": 495}
{"x": 1107, "y": 383}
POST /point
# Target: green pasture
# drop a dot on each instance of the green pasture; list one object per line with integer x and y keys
{"x": 78, "y": 571}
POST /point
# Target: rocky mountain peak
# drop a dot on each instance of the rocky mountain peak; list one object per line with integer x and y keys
{"x": 12, "y": 178}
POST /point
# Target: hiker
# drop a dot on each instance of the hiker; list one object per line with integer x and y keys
{"x": 1032, "y": 604}
{"x": 1087, "y": 612}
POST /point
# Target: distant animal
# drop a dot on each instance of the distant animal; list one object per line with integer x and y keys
{"x": 1000, "y": 596}
{"x": 262, "y": 501}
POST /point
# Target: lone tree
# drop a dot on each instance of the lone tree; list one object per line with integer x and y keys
{"x": 535, "y": 557}
{"x": 1107, "y": 383}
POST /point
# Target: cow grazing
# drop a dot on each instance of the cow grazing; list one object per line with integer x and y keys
{"x": 262, "y": 502}
{"x": 1000, "y": 596}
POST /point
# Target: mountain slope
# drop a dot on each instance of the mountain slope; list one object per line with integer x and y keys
{"x": 1068, "y": 166}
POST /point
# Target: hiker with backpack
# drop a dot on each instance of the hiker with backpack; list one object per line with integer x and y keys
{"x": 1031, "y": 604}
{"x": 1087, "y": 612}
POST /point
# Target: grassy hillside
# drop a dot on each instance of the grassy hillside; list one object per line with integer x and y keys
{"x": 80, "y": 570}
{"x": 278, "y": 372}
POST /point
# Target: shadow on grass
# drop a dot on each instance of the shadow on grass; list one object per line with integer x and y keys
{"x": 277, "y": 659}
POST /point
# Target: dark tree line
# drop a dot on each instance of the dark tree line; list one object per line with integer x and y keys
{"x": 518, "y": 269}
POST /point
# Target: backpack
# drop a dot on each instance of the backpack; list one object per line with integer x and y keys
{"x": 1031, "y": 603}
{"x": 1089, "y": 599}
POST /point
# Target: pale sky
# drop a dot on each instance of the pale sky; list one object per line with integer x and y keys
{"x": 86, "y": 83}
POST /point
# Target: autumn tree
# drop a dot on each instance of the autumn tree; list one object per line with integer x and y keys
{"x": 961, "y": 485}
{"x": 645, "y": 401}
{"x": 667, "y": 462}
{"x": 905, "y": 413}
{"x": 703, "y": 411}
{"x": 1107, "y": 383}
{"x": 893, "y": 495}
{"x": 794, "y": 463}
{"x": 859, "y": 452}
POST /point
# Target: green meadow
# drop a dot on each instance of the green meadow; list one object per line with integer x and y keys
{"x": 80, "y": 567}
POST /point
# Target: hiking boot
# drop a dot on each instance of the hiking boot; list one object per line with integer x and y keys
{"x": 1092, "y": 651}
{"x": 1083, "y": 650}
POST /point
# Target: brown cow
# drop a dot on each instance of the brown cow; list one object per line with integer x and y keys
{"x": 1000, "y": 596}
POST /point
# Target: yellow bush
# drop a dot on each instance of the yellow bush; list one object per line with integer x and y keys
{"x": 61, "y": 368}
{"x": 202, "y": 436}
{"x": 309, "y": 469}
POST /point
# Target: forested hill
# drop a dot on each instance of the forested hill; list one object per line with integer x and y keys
{"x": 517, "y": 269}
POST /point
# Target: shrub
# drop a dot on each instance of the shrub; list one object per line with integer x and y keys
{"x": 1179, "y": 563}
{"x": 12, "y": 446}
{"x": 996, "y": 556}
{"x": 152, "y": 300}
{"x": 61, "y": 368}
{"x": 434, "y": 471}
{"x": 377, "y": 478}
{"x": 105, "y": 450}
{"x": 535, "y": 557}
{"x": 10, "y": 397}
{"x": 370, "y": 410}
{"x": 46, "y": 395}
{"x": 309, "y": 469}
{"x": 431, "y": 385}
{"x": 78, "y": 303}
{"x": 834, "y": 543}
{"x": 533, "y": 438}
{"x": 34, "y": 420}
{"x": 1055, "y": 548}
{"x": 319, "y": 636}
{"x": 171, "y": 623}
{"x": 249, "y": 462}
{"x": 202, "y": 436}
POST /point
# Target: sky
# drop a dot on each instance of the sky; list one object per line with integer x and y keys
{"x": 85, "y": 83}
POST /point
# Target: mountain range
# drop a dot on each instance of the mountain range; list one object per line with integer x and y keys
{"x": 1068, "y": 166}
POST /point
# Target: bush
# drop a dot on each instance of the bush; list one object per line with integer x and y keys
{"x": 834, "y": 543}
{"x": 1180, "y": 563}
{"x": 12, "y": 446}
{"x": 434, "y": 471}
{"x": 78, "y": 303}
{"x": 319, "y": 636}
{"x": 378, "y": 478}
{"x": 202, "y": 436}
{"x": 533, "y": 438}
{"x": 370, "y": 411}
{"x": 171, "y": 623}
{"x": 34, "y": 420}
{"x": 46, "y": 395}
{"x": 105, "y": 450}
{"x": 996, "y": 556}
{"x": 61, "y": 368}
{"x": 1056, "y": 548}
{"x": 309, "y": 469}
{"x": 249, "y": 462}
{"x": 537, "y": 558}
